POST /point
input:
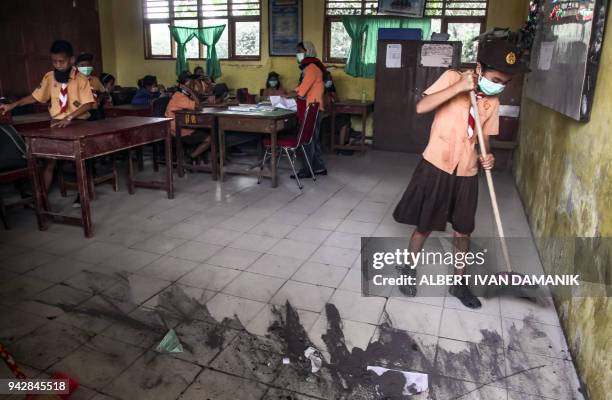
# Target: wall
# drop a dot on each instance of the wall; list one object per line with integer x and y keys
{"x": 27, "y": 29}
{"x": 123, "y": 48}
{"x": 564, "y": 174}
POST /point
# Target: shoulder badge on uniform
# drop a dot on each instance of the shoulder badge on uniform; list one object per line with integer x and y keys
{"x": 511, "y": 58}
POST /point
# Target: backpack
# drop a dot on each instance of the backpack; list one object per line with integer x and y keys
{"x": 12, "y": 149}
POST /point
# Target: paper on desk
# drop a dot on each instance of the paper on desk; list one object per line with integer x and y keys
{"x": 283, "y": 102}
{"x": 415, "y": 381}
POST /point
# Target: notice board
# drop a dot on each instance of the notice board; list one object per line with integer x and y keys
{"x": 565, "y": 56}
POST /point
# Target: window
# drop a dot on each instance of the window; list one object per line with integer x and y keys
{"x": 240, "y": 40}
{"x": 461, "y": 19}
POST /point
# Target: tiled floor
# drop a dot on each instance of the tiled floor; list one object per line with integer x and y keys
{"x": 223, "y": 256}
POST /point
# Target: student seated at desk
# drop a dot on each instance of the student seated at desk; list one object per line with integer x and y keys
{"x": 343, "y": 121}
{"x": 109, "y": 85}
{"x": 148, "y": 90}
{"x": 67, "y": 91}
{"x": 273, "y": 86}
{"x": 202, "y": 84}
{"x": 186, "y": 99}
{"x": 84, "y": 64}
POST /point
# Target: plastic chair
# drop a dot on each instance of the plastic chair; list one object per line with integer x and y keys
{"x": 292, "y": 144}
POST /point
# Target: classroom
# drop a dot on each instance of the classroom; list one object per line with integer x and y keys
{"x": 305, "y": 200}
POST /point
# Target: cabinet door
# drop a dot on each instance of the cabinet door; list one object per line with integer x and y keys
{"x": 397, "y": 125}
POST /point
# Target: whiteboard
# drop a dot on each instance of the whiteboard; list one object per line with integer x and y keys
{"x": 565, "y": 56}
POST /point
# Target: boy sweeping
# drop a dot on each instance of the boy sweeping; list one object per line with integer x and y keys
{"x": 444, "y": 186}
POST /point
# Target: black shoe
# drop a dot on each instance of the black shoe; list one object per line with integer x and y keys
{"x": 407, "y": 290}
{"x": 463, "y": 293}
{"x": 77, "y": 202}
{"x": 321, "y": 172}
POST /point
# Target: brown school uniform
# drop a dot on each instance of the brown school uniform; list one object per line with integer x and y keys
{"x": 444, "y": 186}
{"x": 79, "y": 93}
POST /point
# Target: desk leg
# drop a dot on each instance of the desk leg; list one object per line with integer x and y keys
{"x": 332, "y": 134}
{"x": 364, "y": 120}
{"x": 130, "y": 181}
{"x": 273, "y": 164}
{"x": 214, "y": 155}
{"x": 169, "y": 182}
{"x": 180, "y": 153}
{"x": 221, "y": 154}
{"x": 83, "y": 186}
{"x": 37, "y": 187}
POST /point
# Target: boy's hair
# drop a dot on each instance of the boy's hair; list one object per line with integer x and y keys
{"x": 185, "y": 76}
{"x": 197, "y": 68}
{"x": 85, "y": 57}
{"x": 149, "y": 80}
{"x": 62, "y": 47}
{"x": 105, "y": 77}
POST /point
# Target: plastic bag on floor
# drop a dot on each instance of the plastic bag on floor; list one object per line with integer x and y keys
{"x": 170, "y": 343}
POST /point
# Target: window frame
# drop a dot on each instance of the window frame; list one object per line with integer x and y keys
{"x": 444, "y": 21}
{"x": 231, "y": 29}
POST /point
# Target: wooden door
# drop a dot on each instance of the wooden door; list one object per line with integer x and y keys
{"x": 397, "y": 125}
{"x": 27, "y": 29}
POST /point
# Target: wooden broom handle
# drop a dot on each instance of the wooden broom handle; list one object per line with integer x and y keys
{"x": 483, "y": 152}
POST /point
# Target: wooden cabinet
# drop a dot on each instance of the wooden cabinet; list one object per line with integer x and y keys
{"x": 397, "y": 127}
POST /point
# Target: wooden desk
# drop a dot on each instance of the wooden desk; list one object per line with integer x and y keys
{"x": 261, "y": 122}
{"x": 28, "y": 122}
{"x": 197, "y": 119}
{"x": 81, "y": 141}
{"x": 128, "y": 110}
{"x": 352, "y": 107}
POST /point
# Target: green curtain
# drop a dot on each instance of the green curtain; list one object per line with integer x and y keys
{"x": 362, "y": 56}
{"x": 181, "y": 35}
{"x": 210, "y": 36}
{"x": 355, "y": 27}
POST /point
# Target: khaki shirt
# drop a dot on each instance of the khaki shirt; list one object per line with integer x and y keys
{"x": 179, "y": 101}
{"x": 312, "y": 86}
{"x": 449, "y": 146}
{"x": 79, "y": 93}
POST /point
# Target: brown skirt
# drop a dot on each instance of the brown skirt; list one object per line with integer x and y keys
{"x": 435, "y": 197}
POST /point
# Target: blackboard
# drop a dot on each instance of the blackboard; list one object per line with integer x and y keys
{"x": 565, "y": 56}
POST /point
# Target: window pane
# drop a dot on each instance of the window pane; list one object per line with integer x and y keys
{"x": 465, "y": 32}
{"x": 214, "y": 8}
{"x": 160, "y": 40}
{"x": 340, "y": 42}
{"x": 186, "y": 8}
{"x": 245, "y": 7}
{"x": 436, "y": 25}
{"x": 157, "y": 9}
{"x": 222, "y": 44}
{"x": 247, "y": 38}
{"x": 192, "y": 49}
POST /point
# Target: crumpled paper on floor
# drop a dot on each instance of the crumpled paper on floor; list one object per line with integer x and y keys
{"x": 170, "y": 343}
{"x": 416, "y": 382}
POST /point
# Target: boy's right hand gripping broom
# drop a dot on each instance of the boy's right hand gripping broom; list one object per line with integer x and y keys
{"x": 520, "y": 291}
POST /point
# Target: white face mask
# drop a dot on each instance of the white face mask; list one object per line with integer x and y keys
{"x": 154, "y": 89}
{"x": 85, "y": 70}
{"x": 329, "y": 84}
{"x": 300, "y": 57}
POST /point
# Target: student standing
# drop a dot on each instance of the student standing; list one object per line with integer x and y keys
{"x": 312, "y": 90}
{"x": 84, "y": 64}
{"x": 444, "y": 185}
{"x": 67, "y": 91}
